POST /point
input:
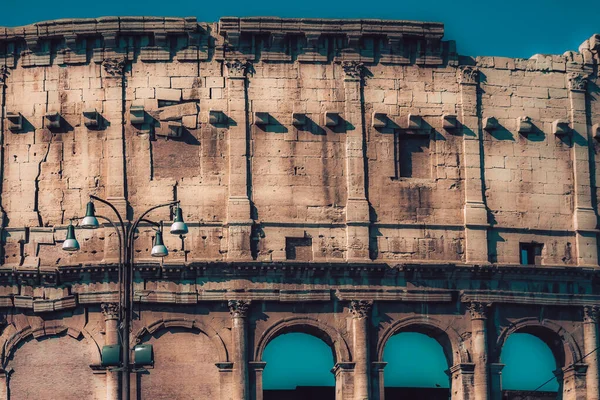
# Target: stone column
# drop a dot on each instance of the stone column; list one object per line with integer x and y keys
{"x": 360, "y": 309}
{"x": 3, "y": 78}
{"x": 114, "y": 93}
{"x": 584, "y": 218}
{"x": 479, "y": 348}
{"x": 4, "y": 378}
{"x": 357, "y": 208}
{"x": 590, "y": 344}
{"x": 475, "y": 211}
{"x": 238, "y": 203}
{"x": 239, "y": 310}
{"x": 111, "y": 337}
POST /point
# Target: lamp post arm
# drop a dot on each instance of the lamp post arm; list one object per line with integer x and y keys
{"x": 141, "y": 218}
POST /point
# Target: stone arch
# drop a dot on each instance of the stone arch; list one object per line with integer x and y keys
{"x": 192, "y": 325}
{"x": 308, "y": 325}
{"x": 565, "y": 349}
{"x": 450, "y": 340}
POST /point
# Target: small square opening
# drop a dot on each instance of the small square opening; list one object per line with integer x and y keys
{"x": 531, "y": 253}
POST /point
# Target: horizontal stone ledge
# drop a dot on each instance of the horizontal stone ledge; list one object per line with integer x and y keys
{"x": 436, "y": 296}
{"x": 551, "y": 299}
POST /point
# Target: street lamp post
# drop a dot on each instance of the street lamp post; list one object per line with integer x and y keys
{"x": 126, "y": 235}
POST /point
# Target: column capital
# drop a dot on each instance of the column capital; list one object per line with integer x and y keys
{"x": 3, "y": 74}
{"x": 578, "y": 82}
{"x": 478, "y": 309}
{"x": 353, "y": 70}
{"x": 238, "y": 69}
{"x": 360, "y": 309}
{"x": 110, "y": 310}
{"x": 114, "y": 66}
{"x": 590, "y": 314}
{"x": 468, "y": 75}
{"x": 239, "y": 308}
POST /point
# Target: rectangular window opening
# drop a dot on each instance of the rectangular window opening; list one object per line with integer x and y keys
{"x": 412, "y": 156}
{"x": 531, "y": 253}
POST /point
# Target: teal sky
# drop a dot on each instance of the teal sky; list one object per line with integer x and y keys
{"x": 414, "y": 360}
{"x": 513, "y": 28}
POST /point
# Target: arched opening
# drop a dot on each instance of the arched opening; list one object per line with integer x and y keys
{"x": 61, "y": 364}
{"x": 181, "y": 355}
{"x": 298, "y": 367}
{"x": 528, "y": 371}
{"x": 416, "y": 368}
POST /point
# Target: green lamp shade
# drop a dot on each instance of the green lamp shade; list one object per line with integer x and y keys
{"x": 179, "y": 227}
{"x": 70, "y": 243}
{"x": 90, "y": 221}
{"x": 111, "y": 355}
{"x": 159, "y": 249}
{"x": 143, "y": 354}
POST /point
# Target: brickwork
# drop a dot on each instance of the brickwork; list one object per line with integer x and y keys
{"x": 320, "y": 165}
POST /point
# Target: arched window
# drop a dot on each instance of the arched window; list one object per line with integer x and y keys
{"x": 529, "y": 363}
{"x": 298, "y": 366}
{"x": 415, "y": 368}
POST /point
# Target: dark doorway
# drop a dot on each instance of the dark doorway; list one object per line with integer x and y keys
{"x": 301, "y": 393}
{"x": 398, "y": 393}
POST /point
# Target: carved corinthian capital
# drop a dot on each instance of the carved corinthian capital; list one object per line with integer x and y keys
{"x": 110, "y": 310}
{"x": 478, "y": 310}
{"x": 360, "y": 308}
{"x": 578, "y": 82}
{"x": 238, "y": 308}
{"x": 114, "y": 66}
{"x": 468, "y": 75}
{"x": 353, "y": 69}
{"x": 590, "y": 314}
{"x": 238, "y": 68}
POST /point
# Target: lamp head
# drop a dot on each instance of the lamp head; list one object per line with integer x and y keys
{"x": 179, "y": 227}
{"x": 70, "y": 243}
{"x": 90, "y": 221}
{"x": 159, "y": 249}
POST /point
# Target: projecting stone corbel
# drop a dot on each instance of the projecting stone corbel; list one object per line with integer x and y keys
{"x": 137, "y": 115}
{"x": 380, "y": 120}
{"x": 414, "y": 122}
{"x": 298, "y": 119}
{"x": 560, "y": 127}
{"x": 15, "y": 121}
{"x": 91, "y": 118}
{"x": 261, "y": 118}
{"x": 490, "y": 124}
{"x": 449, "y": 122}
{"x": 170, "y": 129}
{"x": 524, "y": 125}
{"x": 332, "y": 118}
{"x": 52, "y": 120}
{"x": 217, "y": 117}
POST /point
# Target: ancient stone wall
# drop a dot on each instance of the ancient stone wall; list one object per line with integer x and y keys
{"x": 351, "y": 179}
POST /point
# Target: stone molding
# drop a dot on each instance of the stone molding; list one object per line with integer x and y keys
{"x": 360, "y": 309}
{"x": 239, "y": 308}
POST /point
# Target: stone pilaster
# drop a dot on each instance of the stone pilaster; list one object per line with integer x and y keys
{"x": 257, "y": 368}
{"x": 475, "y": 211}
{"x": 238, "y": 204}
{"x": 478, "y": 313}
{"x": 343, "y": 380}
{"x": 4, "y": 377}
{"x": 378, "y": 380}
{"x": 113, "y": 81}
{"x": 461, "y": 378}
{"x": 111, "y": 337}
{"x": 357, "y": 208}
{"x": 239, "y": 311}
{"x": 3, "y": 77}
{"x": 572, "y": 381}
{"x": 496, "y": 380}
{"x": 360, "y": 309}
{"x": 590, "y": 344}
{"x": 584, "y": 218}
